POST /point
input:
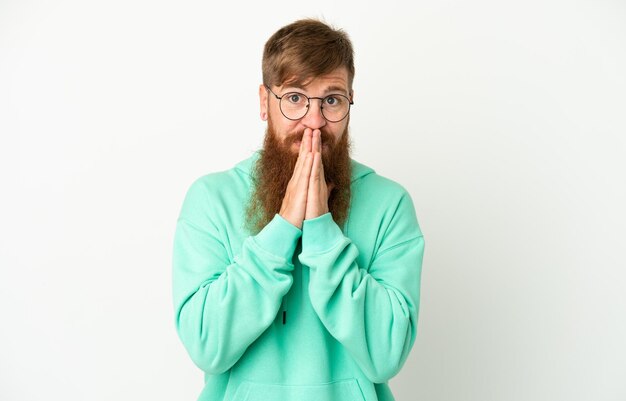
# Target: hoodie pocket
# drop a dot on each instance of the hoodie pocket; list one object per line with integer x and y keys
{"x": 343, "y": 390}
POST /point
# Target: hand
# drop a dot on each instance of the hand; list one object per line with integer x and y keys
{"x": 293, "y": 208}
{"x": 318, "y": 191}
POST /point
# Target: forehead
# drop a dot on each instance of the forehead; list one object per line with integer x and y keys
{"x": 335, "y": 80}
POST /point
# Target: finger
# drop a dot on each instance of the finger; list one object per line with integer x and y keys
{"x": 315, "y": 141}
{"x": 325, "y": 188}
{"x": 306, "y": 139}
{"x": 301, "y": 156}
{"x": 301, "y": 151}
{"x": 305, "y": 175}
{"x": 313, "y": 196}
{"x": 315, "y": 170}
{"x": 303, "y": 148}
{"x": 298, "y": 185}
{"x": 322, "y": 176}
{"x": 300, "y": 168}
{"x": 293, "y": 181}
{"x": 317, "y": 145}
{"x": 299, "y": 162}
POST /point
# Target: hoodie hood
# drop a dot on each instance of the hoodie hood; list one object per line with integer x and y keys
{"x": 358, "y": 170}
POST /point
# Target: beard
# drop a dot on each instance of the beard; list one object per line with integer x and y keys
{"x": 274, "y": 169}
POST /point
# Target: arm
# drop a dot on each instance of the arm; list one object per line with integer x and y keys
{"x": 371, "y": 311}
{"x": 222, "y": 306}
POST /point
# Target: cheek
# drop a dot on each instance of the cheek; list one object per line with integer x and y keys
{"x": 338, "y": 131}
{"x": 288, "y": 129}
{"x": 292, "y": 128}
{"x": 283, "y": 127}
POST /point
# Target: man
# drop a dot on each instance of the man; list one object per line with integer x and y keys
{"x": 296, "y": 273}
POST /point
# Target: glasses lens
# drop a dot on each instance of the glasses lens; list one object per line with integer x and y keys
{"x": 294, "y": 105}
{"x": 335, "y": 107}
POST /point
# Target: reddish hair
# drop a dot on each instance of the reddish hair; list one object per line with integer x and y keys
{"x": 306, "y": 49}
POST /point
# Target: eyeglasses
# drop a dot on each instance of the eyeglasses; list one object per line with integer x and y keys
{"x": 295, "y": 105}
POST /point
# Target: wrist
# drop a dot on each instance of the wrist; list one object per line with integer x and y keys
{"x": 294, "y": 222}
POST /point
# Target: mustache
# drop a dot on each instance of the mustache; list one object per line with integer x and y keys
{"x": 297, "y": 136}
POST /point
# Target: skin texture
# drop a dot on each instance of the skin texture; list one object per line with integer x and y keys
{"x": 307, "y": 192}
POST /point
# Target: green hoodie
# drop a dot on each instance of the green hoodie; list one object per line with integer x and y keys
{"x": 325, "y": 313}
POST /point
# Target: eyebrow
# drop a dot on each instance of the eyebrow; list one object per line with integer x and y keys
{"x": 336, "y": 88}
{"x": 328, "y": 90}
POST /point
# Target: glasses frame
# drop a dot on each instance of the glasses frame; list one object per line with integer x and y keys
{"x": 280, "y": 98}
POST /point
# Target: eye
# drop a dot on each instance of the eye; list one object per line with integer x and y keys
{"x": 333, "y": 100}
{"x": 294, "y": 98}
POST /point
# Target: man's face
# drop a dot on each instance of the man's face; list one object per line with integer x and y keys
{"x": 281, "y": 147}
{"x": 289, "y": 132}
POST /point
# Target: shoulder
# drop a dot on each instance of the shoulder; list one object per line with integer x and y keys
{"x": 367, "y": 181}
{"x": 207, "y": 186}
{"x": 377, "y": 197}
{"x": 209, "y": 181}
{"x": 210, "y": 192}
{"x": 383, "y": 206}
{"x": 223, "y": 181}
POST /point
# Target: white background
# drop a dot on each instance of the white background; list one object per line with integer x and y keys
{"x": 504, "y": 120}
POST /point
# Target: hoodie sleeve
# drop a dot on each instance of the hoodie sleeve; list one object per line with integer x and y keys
{"x": 223, "y": 305}
{"x": 372, "y": 311}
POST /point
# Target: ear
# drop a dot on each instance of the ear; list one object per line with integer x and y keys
{"x": 352, "y": 94}
{"x": 263, "y": 102}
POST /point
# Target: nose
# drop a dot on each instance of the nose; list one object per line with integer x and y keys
{"x": 314, "y": 118}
